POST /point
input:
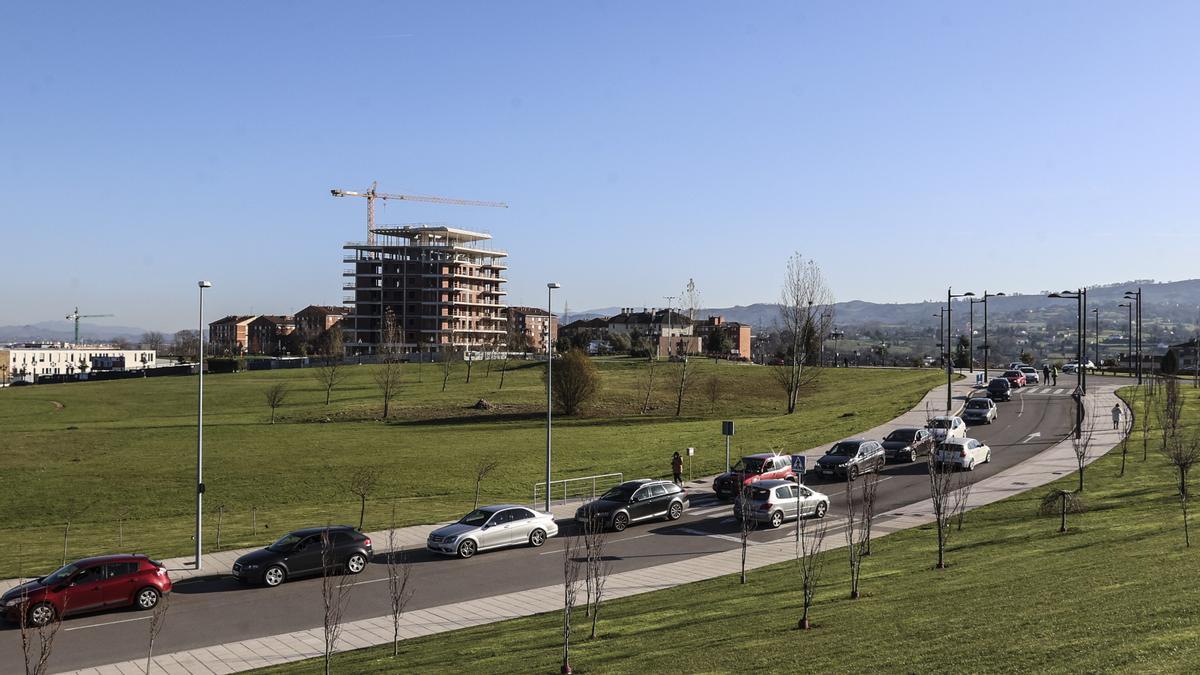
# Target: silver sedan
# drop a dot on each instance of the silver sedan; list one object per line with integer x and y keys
{"x": 490, "y": 527}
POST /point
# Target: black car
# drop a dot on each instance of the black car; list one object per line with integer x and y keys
{"x": 907, "y": 443}
{"x": 999, "y": 389}
{"x": 634, "y": 501}
{"x": 305, "y": 552}
{"x": 848, "y": 459}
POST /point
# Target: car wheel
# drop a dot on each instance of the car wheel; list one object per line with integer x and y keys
{"x": 147, "y": 598}
{"x": 620, "y": 522}
{"x": 274, "y": 576}
{"x": 821, "y": 510}
{"x": 852, "y": 472}
{"x": 988, "y": 458}
{"x": 357, "y": 563}
{"x": 675, "y": 511}
{"x": 537, "y": 537}
{"x": 971, "y": 465}
{"x": 776, "y": 519}
{"x": 912, "y": 456}
{"x": 41, "y": 614}
{"x": 467, "y": 548}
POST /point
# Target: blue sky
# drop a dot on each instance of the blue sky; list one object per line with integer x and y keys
{"x": 904, "y": 146}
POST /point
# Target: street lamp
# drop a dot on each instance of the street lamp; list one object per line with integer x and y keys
{"x": 941, "y": 317}
{"x": 987, "y": 346}
{"x": 971, "y": 334}
{"x": 950, "y": 295}
{"x": 549, "y": 381}
{"x": 1136, "y": 296}
{"x": 1080, "y": 298}
{"x": 1129, "y": 335}
{"x": 1096, "y": 335}
{"x": 200, "y": 429}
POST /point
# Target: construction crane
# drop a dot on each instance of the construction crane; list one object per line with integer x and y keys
{"x": 76, "y": 316}
{"x": 371, "y": 195}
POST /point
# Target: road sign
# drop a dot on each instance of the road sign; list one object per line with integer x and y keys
{"x": 727, "y": 428}
{"x": 798, "y": 464}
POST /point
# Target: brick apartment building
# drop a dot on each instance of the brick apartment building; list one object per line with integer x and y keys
{"x": 738, "y": 335}
{"x": 231, "y": 334}
{"x": 528, "y": 325}
{"x": 316, "y": 319}
{"x": 267, "y": 332}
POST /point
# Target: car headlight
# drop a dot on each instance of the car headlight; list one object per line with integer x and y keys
{"x": 12, "y": 602}
{"x": 251, "y": 566}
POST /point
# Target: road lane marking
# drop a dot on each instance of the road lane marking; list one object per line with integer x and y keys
{"x": 612, "y": 541}
{"x": 1030, "y": 437}
{"x": 107, "y": 623}
{"x": 702, "y": 533}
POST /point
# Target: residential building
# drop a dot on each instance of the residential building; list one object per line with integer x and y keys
{"x": 1188, "y": 353}
{"x": 528, "y": 325}
{"x": 231, "y": 334}
{"x": 738, "y": 335}
{"x": 652, "y": 323}
{"x": 586, "y": 329}
{"x": 266, "y": 333}
{"x": 443, "y": 285}
{"x": 32, "y": 360}
{"x": 316, "y": 319}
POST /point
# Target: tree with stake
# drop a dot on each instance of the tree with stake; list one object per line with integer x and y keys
{"x": 595, "y": 536}
{"x": 803, "y": 323}
{"x": 682, "y": 383}
{"x": 646, "y": 385}
{"x": 1062, "y": 502}
{"x": 156, "y": 623}
{"x": 1146, "y": 405}
{"x": 335, "y": 596}
{"x": 483, "y": 467}
{"x": 399, "y": 572}
{"x": 276, "y": 394}
{"x": 943, "y": 485}
{"x": 330, "y": 371}
{"x": 1183, "y": 452}
{"x": 1082, "y": 447}
{"x": 362, "y": 484}
{"x": 744, "y": 511}
{"x": 571, "y": 567}
{"x": 449, "y": 356}
{"x": 388, "y": 373}
{"x": 39, "y": 626}
{"x": 808, "y": 549}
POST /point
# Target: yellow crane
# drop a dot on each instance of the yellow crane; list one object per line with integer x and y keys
{"x": 371, "y": 195}
{"x": 76, "y": 316}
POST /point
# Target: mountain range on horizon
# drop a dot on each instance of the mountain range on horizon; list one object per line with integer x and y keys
{"x": 1176, "y": 301}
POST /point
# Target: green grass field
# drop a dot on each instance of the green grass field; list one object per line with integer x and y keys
{"x": 102, "y": 452}
{"x": 1114, "y": 594}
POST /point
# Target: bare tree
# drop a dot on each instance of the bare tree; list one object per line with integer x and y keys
{"x": 1147, "y": 397}
{"x": 335, "y": 596}
{"x": 399, "y": 572}
{"x": 945, "y": 496}
{"x": 743, "y": 509}
{"x": 1082, "y": 446}
{"x": 646, "y": 385}
{"x": 804, "y": 321}
{"x": 156, "y": 623}
{"x": 870, "y": 491}
{"x": 483, "y": 467}
{"x": 330, "y": 371}
{"x": 598, "y": 568}
{"x": 1126, "y": 429}
{"x": 682, "y": 382}
{"x": 362, "y": 484}
{"x": 858, "y": 527}
{"x": 576, "y": 381}
{"x": 276, "y": 394}
{"x": 449, "y": 356}
{"x": 1063, "y": 502}
{"x": 470, "y": 361}
{"x": 1183, "y": 452}
{"x": 152, "y": 340}
{"x": 712, "y": 389}
{"x": 959, "y": 501}
{"x": 1169, "y": 411}
{"x": 513, "y": 340}
{"x": 571, "y": 569}
{"x": 808, "y": 549}
{"x": 186, "y": 345}
{"x": 39, "y": 625}
{"x": 388, "y": 373}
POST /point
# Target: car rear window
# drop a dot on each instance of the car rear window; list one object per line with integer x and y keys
{"x": 902, "y": 435}
{"x": 759, "y": 494}
{"x": 978, "y": 403}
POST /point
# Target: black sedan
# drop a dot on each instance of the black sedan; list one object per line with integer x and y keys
{"x": 304, "y": 552}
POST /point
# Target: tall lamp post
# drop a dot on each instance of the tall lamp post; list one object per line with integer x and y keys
{"x": 950, "y": 295}
{"x": 1129, "y": 335}
{"x": 200, "y": 429}
{"x": 971, "y": 333}
{"x": 549, "y": 381}
{"x": 987, "y": 346}
{"x": 941, "y": 317}
{"x": 1080, "y": 323}
{"x": 1096, "y": 335}
{"x": 1136, "y": 297}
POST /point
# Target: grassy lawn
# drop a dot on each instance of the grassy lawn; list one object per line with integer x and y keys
{"x": 101, "y": 452}
{"x": 1115, "y": 593}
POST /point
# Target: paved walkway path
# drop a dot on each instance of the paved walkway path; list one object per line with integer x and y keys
{"x": 233, "y": 657}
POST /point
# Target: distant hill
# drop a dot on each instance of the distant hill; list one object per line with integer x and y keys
{"x": 64, "y": 331}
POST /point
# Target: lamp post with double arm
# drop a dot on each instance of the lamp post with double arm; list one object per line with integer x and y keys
{"x": 1129, "y": 336}
{"x": 1080, "y": 324}
{"x": 1136, "y": 298}
{"x": 950, "y": 295}
{"x": 987, "y": 346}
{"x": 549, "y": 380}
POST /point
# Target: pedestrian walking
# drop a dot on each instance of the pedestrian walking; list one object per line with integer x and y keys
{"x": 1045, "y": 374}
{"x": 677, "y": 469}
{"x": 1116, "y": 415}
{"x": 1054, "y": 374}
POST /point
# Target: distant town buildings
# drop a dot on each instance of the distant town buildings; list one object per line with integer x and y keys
{"x": 266, "y": 333}
{"x": 528, "y": 326}
{"x": 442, "y": 285}
{"x": 29, "y": 361}
{"x": 662, "y": 332}
{"x": 316, "y": 319}
{"x": 230, "y": 334}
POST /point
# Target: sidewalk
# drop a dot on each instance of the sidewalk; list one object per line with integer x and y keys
{"x": 219, "y": 564}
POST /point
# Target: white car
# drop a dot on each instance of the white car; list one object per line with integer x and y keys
{"x": 947, "y": 426}
{"x": 1072, "y": 367}
{"x": 980, "y": 410}
{"x": 489, "y": 527}
{"x": 963, "y": 452}
{"x": 1031, "y": 375}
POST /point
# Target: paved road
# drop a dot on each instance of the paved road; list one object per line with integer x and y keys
{"x": 210, "y": 611}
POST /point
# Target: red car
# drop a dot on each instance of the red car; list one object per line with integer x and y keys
{"x": 88, "y": 585}
{"x": 753, "y": 468}
{"x": 1015, "y": 377}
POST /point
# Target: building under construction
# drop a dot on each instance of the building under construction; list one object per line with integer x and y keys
{"x": 442, "y": 285}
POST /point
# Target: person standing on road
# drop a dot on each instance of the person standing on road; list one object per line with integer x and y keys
{"x": 1054, "y": 374}
{"x": 677, "y": 469}
{"x": 1116, "y": 415}
{"x": 1045, "y": 374}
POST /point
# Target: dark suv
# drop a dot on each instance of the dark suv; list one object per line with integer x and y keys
{"x": 907, "y": 443}
{"x": 999, "y": 389}
{"x": 634, "y": 501}
{"x": 88, "y": 585}
{"x": 848, "y": 459}
{"x": 305, "y": 552}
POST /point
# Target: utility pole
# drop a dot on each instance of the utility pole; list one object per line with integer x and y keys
{"x": 1136, "y": 296}
{"x": 670, "y": 299}
{"x": 949, "y": 336}
{"x": 549, "y": 381}
{"x": 987, "y": 346}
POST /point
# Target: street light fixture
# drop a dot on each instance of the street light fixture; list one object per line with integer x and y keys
{"x": 1080, "y": 298}
{"x": 1129, "y": 335}
{"x": 987, "y": 346}
{"x": 950, "y": 295}
{"x": 971, "y": 334}
{"x": 1136, "y": 296}
{"x": 549, "y": 380}
{"x": 200, "y": 429}
{"x": 1096, "y": 335}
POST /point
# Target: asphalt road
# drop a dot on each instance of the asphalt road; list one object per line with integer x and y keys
{"x": 217, "y": 610}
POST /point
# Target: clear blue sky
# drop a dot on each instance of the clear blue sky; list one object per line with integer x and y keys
{"x": 1032, "y": 145}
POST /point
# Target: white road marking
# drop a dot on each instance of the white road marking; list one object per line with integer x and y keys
{"x": 613, "y": 541}
{"x": 1030, "y": 437}
{"x": 710, "y": 511}
{"x": 702, "y": 533}
{"x": 107, "y": 623}
{"x": 1060, "y": 391}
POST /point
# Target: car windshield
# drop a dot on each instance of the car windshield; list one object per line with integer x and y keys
{"x": 844, "y": 450}
{"x": 978, "y": 403}
{"x": 1013, "y": 373}
{"x": 749, "y": 465}
{"x": 940, "y": 423}
{"x": 621, "y": 493}
{"x": 902, "y": 435}
{"x": 285, "y": 543}
{"x": 61, "y": 575}
{"x": 998, "y": 383}
{"x": 476, "y": 518}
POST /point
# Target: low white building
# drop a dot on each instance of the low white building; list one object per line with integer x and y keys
{"x": 32, "y": 360}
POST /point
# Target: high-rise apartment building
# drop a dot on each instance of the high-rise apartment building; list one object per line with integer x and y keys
{"x": 443, "y": 286}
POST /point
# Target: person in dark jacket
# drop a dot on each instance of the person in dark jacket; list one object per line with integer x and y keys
{"x": 677, "y": 469}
